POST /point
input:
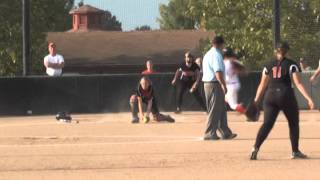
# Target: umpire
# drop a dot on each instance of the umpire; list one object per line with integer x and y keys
{"x": 215, "y": 90}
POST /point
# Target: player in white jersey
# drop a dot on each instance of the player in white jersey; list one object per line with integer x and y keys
{"x": 53, "y": 62}
{"x": 232, "y": 70}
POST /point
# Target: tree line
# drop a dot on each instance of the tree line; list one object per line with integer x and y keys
{"x": 247, "y": 25}
{"x": 46, "y": 16}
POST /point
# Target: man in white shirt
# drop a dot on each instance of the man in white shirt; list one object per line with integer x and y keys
{"x": 53, "y": 62}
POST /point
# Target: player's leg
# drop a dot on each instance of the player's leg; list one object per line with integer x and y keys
{"x": 214, "y": 110}
{"x": 223, "y": 127}
{"x": 291, "y": 111}
{"x": 271, "y": 111}
{"x": 157, "y": 116}
{"x": 232, "y": 98}
{"x": 197, "y": 95}
{"x": 134, "y": 108}
{"x": 181, "y": 88}
{"x": 154, "y": 109}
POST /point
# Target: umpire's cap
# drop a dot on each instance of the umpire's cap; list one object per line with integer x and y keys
{"x": 283, "y": 46}
{"x": 218, "y": 40}
{"x": 228, "y": 52}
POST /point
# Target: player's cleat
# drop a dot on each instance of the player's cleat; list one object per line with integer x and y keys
{"x": 169, "y": 119}
{"x": 231, "y": 136}
{"x": 254, "y": 154}
{"x": 178, "y": 111}
{"x": 135, "y": 120}
{"x": 241, "y": 109}
{"x": 298, "y": 155}
{"x": 161, "y": 118}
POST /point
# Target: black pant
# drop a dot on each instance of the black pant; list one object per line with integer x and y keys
{"x": 154, "y": 108}
{"x": 134, "y": 106}
{"x": 184, "y": 86}
{"x": 277, "y": 99}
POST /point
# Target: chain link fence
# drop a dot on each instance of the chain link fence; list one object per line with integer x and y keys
{"x": 300, "y": 26}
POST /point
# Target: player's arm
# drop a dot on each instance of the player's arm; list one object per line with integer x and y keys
{"x": 48, "y": 64}
{"x": 262, "y": 87}
{"x": 239, "y": 67}
{"x": 315, "y": 75}
{"x": 149, "y": 107}
{"x": 188, "y": 73}
{"x": 299, "y": 85}
{"x": 196, "y": 83}
{"x": 140, "y": 106}
{"x": 60, "y": 65}
{"x": 220, "y": 78}
{"x": 218, "y": 66}
{"x": 176, "y": 75}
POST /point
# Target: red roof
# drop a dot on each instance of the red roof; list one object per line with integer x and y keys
{"x": 85, "y": 9}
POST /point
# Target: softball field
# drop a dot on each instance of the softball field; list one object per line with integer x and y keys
{"x": 108, "y": 146}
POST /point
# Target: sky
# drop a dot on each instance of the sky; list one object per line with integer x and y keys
{"x": 131, "y": 13}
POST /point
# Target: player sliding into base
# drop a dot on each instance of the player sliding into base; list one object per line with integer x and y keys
{"x": 233, "y": 68}
{"x": 279, "y": 95}
{"x": 145, "y": 95}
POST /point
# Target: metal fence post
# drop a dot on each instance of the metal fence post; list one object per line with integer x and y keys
{"x": 276, "y": 22}
{"x": 26, "y": 37}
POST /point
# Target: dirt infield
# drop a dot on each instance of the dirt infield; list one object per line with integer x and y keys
{"x": 107, "y": 146}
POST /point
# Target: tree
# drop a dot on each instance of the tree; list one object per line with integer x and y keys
{"x": 53, "y": 16}
{"x": 143, "y": 28}
{"x": 112, "y": 24}
{"x": 174, "y": 16}
{"x": 81, "y": 3}
{"x": 301, "y": 28}
{"x": 247, "y": 25}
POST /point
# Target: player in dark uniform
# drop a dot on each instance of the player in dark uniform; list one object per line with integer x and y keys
{"x": 279, "y": 95}
{"x": 188, "y": 78}
{"x": 145, "y": 95}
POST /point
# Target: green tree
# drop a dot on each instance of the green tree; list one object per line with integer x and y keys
{"x": 45, "y": 16}
{"x": 81, "y": 3}
{"x": 143, "y": 28}
{"x": 247, "y": 25}
{"x": 175, "y": 16}
{"x": 300, "y": 26}
{"x": 112, "y": 24}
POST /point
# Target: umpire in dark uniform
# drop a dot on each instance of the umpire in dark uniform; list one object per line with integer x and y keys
{"x": 279, "y": 95}
{"x": 215, "y": 90}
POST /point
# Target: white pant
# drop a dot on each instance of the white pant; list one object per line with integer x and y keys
{"x": 232, "y": 95}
